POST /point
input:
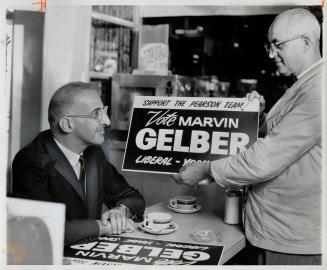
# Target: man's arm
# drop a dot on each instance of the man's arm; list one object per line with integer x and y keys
{"x": 30, "y": 181}
{"x": 118, "y": 192}
{"x": 297, "y": 132}
{"x": 293, "y": 136}
{"x": 78, "y": 229}
{"x": 124, "y": 202}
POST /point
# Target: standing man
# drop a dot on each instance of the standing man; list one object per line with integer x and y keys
{"x": 283, "y": 169}
{"x": 66, "y": 165}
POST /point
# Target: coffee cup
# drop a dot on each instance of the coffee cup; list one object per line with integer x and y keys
{"x": 157, "y": 221}
{"x": 183, "y": 202}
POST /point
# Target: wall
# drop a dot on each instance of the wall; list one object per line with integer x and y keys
{"x": 236, "y": 10}
{"x": 26, "y": 77}
{"x": 66, "y": 50}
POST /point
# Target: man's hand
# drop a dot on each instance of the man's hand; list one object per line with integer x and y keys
{"x": 104, "y": 229}
{"x": 192, "y": 173}
{"x": 116, "y": 218}
{"x": 255, "y": 94}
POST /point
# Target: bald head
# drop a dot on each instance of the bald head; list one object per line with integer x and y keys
{"x": 63, "y": 100}
{"x": 298, "y": 21}
{"x": 294, "y": 36}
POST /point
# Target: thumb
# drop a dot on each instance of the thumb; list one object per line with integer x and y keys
{"x": 104, "y": 218}
{"x": 176, "y": 176}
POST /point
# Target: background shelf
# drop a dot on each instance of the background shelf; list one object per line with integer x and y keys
{"x": 100, "y": 75}
{"x": 113, "y": 20}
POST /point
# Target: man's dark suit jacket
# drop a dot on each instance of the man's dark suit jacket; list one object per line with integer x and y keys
{"x": 42, "y": 172}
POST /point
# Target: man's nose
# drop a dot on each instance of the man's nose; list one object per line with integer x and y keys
{"x": 105, "y": 120}
{"x": 272, "y": 54}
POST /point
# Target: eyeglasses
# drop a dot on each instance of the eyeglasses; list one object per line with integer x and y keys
{"x": 97, "y": 114}
{"x": 272, "y": 47}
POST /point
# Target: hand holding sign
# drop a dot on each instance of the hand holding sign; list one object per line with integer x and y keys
{"x": 193, "y": 173}
{"x": 255, "y": 94}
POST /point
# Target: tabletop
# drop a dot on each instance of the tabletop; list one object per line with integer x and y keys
{"x": 210, "y": 217}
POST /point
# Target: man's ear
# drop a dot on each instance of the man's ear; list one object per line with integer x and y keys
{"x": 307, "y": 43}
{"x": 66, "y": 124}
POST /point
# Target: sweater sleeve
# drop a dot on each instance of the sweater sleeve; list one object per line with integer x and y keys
{"x": 297, "y": 132}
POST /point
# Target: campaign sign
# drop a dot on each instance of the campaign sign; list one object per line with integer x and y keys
{"x": 168, "y": 132}
{"x": 126, "y": 250}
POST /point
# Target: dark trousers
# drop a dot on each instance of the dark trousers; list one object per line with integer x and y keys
{"x": 277, "y": 258}
{"x": 252, "y": 255}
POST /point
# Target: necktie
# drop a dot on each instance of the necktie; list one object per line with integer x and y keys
{"x": 82, "y": 175}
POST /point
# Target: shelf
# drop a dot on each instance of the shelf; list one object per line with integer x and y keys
{"x": 100, "y": 75}
{"x": 113, "y": 20}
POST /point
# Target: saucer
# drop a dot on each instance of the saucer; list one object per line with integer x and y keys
{"x": 172, "y": 227}
{"x": 196, "y": 208}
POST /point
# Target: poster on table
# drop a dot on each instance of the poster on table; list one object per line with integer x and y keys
{"x": 167, "y": 132}
{"x": 117, "y": 250}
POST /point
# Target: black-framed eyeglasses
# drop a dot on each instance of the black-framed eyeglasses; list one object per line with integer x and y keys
{"x": 272, "y": 47}
{"x": 98, "y": 114}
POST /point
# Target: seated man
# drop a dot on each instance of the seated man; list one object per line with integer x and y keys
{"x": 66, "y": 165}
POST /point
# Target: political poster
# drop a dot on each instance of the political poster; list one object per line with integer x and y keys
{"x": 118, "y": 250}
{"x": 167, "y": 132}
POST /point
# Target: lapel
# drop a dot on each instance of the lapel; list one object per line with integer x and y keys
{"x": 62, "y": 165}
{"x": 91, "y": 167}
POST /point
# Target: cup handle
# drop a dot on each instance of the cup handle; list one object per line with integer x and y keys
{"x": 148, "y": 223}
{"x": 173, "y": 203}
{"x": 165, "y": 228}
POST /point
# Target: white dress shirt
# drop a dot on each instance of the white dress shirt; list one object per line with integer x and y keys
{"x": 72, "y": 157}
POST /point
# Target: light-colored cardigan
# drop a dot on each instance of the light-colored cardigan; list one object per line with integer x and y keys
{"x": 283, "y": 209}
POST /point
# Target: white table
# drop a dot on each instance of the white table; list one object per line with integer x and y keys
{"x": 210, "y": 217}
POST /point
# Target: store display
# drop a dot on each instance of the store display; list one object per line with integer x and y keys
{"x": 110, "y": 46}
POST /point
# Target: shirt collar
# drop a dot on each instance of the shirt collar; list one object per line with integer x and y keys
{"x": 310, "y": 68}
{"x": 72, "y": 157}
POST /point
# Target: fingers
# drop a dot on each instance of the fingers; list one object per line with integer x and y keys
{"x": 177, "y": 178}
{"x": 262, "y": 100}
{"x": 124, "y": 224}
{"x": 115, "y": 224}
{"x": 183, "y": 168}
{"x": 107, "y": 230}
{"x": 118, "y": 223}
{"x": 254, "y": 94}
{"x": 104, "y": 218}
{"x": 117, "y": 220}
